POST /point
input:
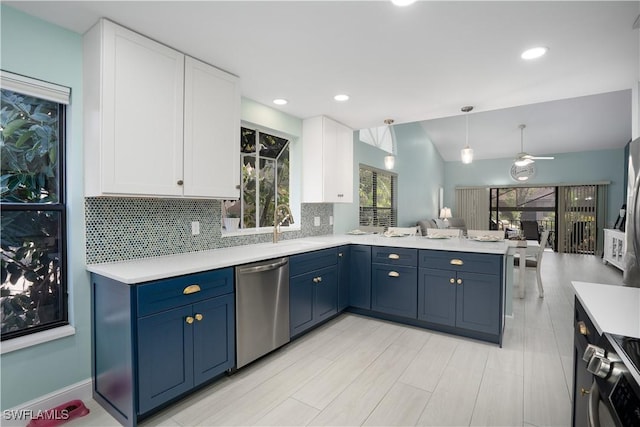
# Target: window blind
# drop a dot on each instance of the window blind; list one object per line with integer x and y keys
{"x": 378, "y": 202}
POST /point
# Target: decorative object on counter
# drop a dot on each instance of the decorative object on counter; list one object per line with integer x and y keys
{"x": 231, "y": 218}
{"x": 466, "y": 153}
{"x": 439, "y": 233}
{"x": 407, "y": 231}
{"x": 486, "y": 235}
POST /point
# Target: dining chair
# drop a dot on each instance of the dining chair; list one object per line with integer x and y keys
{"x": 499, "y": 234}
{"x": 535, "y": 260}
{"x": 450, "y": 232}
{"x": 411, "y": 231}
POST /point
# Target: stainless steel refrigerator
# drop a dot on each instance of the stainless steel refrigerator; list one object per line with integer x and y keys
{"x": 632, "y": 234}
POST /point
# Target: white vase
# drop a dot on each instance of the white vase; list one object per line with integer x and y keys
{"x": 231, "y": 224}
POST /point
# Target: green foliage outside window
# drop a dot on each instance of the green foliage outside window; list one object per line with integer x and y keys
{"x": 31, "y": 291}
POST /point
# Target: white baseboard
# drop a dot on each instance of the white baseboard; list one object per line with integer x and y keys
{"x": 81, "y": 390}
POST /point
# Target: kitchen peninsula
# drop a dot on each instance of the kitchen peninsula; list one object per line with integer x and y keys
{"x": 164, "y": 326}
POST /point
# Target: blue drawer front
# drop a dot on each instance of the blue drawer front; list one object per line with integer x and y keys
{"x": 394, "y": 290}
{"x": 461, "y": 261}
{"x": 162, "y": 295}
{"x": 394, "y": 256}
{"x": 304, "y": 263}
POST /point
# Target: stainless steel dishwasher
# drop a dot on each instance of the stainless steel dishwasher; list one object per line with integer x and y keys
{"x": 262, "y": 308}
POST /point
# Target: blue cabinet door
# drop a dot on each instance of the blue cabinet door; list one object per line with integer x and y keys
{"x": 301, "y": 303}
{"x": 325, "y": 293}
{"x": 165, "y": 357}
{"x": 437, "y": 296}
{"x": 478, "y": 302}
{"x": 213, "y": 337}
{"x": 344, "y": 262}
{"x": 360, "y": 277}
{"x": 394, "y": 290}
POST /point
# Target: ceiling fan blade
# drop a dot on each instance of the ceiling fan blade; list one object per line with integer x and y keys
{"x": 540, "y": 158}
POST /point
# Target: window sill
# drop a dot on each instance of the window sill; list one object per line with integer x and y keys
{"x": 36, "y": 338}
{"x": 254, "y": 231}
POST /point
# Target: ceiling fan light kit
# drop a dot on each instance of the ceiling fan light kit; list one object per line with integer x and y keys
{"x": 466, "y": 154}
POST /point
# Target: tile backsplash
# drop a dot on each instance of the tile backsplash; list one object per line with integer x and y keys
{"x": 120, "y": 229}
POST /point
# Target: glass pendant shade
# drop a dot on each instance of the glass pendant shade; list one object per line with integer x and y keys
{"x": 389, "y": 161}
{"x": 466, "y": 155}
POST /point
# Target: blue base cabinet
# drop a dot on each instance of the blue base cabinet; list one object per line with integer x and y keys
{"x": 313, "y": 289}
{"x": 360, "y": 277}
{"x": 344, "y": 272}
{"x": 461, "y": 290}
{"x": 157, "y": 341}
{"x": 394, "y": 281}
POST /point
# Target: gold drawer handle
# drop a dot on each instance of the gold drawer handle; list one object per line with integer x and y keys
{"x": 199, "y": 317}
{"x": 456, "y": 261}
{"x": 394, "y": 256}
{"x": 317, "y": 279}
{"x": 582, "y": 328}
{"x": 394, "y": 274}
{"x": 191, "y": 289}
{"x": 189, "y": 319}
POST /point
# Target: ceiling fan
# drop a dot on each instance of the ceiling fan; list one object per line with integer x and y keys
{"x": 522, "y": 158}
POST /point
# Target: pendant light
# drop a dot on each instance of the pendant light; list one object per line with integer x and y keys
{"x": 390, "y": 159}
{"x": 466, "y": 153}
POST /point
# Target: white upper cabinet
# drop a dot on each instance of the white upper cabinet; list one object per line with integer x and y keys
{"x": 144, "y": 127}
{"x": 211, "y": 143}
{"x": 327, "y": 161}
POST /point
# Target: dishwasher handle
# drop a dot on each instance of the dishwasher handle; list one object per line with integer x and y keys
{"x": 262, "y": 268}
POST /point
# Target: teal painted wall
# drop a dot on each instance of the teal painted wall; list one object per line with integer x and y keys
{"x": 37, "y": 49}
{"x": 566, "y": 168}
{"x": 420, "y": 171}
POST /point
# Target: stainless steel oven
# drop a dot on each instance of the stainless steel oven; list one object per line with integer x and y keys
{"x": 614, "y": 398}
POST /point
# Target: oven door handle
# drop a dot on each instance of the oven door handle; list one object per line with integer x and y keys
{"x": 593, "y": 416}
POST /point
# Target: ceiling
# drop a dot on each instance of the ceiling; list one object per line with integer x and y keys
{"x": 419, "y": 63}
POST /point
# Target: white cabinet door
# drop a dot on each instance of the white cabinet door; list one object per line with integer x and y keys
{"x": 338, "y": 163}
{"x": 327, "y": 167}
{"x": 142, "y": 121}
{"x": 211, "y": 132}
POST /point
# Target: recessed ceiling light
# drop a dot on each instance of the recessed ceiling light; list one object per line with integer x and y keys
{"x": 534, "y": 53}
{"x": 341, "y": 97}
{"x": 403, "y": 2}
{"x": 280, "y": 101}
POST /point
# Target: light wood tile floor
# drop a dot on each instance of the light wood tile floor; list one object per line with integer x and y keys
{"x": 360, "y": 371}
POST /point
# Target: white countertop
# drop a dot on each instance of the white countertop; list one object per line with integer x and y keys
{"x": 148, "y": 269}
{"x": 612, "y": 308}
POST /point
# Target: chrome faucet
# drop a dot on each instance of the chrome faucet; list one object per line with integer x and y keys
{"x": 283, "y": 210}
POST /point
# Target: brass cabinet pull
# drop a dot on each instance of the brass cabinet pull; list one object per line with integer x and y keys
{"x": 582, "y": 328}
{"x": 191, "y": 289}
{"x": 456, "y": 261}
{"x": 394, "y": 274}
{"x": 583, "y": 391}
{"x": 394, "y": 256}
{"x": 317, "y": 279}
{"x": 199, "y": 317}
{"x": 459, "y": 281}
{"x": 452, "y": 280}
{"x": 189, "y": 319}
{"x": 340, "y": 254}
